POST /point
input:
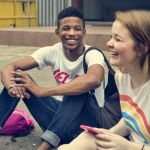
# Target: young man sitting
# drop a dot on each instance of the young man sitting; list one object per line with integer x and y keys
{"x": 59, "y": 118}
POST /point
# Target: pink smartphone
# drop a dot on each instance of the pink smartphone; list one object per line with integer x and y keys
{"x": 90, "y": 129}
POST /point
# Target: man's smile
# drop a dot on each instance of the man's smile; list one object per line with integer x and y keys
{"x": 71, "y": 41}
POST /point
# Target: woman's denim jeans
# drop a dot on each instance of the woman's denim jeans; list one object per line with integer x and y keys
{"x": 60, "y": 120}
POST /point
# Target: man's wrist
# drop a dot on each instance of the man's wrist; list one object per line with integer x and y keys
{"x": 10, "y": 86}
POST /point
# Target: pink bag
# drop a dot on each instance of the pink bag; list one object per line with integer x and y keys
{"x": 17, "y": 123}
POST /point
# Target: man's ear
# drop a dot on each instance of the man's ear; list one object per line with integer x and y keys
{"x": 84, "y": 32}
{"x": 57, "y": 32}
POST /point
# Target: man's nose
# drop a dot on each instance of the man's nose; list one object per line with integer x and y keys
{"x": 71, "y": 32}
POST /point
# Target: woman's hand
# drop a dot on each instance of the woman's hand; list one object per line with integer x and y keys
{"x": 102, "y": 130}
{"x": 111, "y": 141}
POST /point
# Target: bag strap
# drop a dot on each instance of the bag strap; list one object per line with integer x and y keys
{"x": 29, "y": 129}
{"x": 106, "y": 61}
{"x": 95, "y": 48}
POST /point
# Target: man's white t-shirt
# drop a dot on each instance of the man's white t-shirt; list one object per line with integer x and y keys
{"x": 64, "y": 70}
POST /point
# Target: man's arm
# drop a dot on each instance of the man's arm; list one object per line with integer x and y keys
{"x": 23, "y": 64}
{"x": 91, "y": 80}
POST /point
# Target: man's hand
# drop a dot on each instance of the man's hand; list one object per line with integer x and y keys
{"x": 19, "y": 92}
{"x": 26, "y": 83}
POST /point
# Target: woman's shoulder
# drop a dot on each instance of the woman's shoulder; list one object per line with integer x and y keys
{"x": 121, "y": 78}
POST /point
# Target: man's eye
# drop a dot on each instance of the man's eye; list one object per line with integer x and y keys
{"x": 77, "y": 29}
{"x": 65, "y": 29}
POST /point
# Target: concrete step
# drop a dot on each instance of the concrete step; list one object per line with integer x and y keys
{"x": 45, "y": 36}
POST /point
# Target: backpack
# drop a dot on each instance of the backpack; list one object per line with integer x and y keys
{"x": 18, "y": 124}
{"x": 110, "y": 114}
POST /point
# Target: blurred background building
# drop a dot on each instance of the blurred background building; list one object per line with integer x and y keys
{"x": 33, "y": 22}
{"x": 18, "y": 13}
{"x": 30, "y": 13}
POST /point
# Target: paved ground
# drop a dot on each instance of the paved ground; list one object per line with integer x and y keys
{"x": 43, "y": 78}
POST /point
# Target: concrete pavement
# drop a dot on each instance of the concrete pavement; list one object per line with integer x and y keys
{"x": 43, "y": 78}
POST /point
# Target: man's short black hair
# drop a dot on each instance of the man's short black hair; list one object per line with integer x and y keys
{"x": 70, "y": 12}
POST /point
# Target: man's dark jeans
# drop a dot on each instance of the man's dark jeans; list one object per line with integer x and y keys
{"x": 60, "y": 120}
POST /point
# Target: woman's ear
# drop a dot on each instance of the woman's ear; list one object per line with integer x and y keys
{"x": 146, "y": 48}
{"x": 146, "y": 45}
{"x": 57, "y": 32}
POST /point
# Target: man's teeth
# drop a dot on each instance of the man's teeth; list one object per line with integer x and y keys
{"x": 71, "y": 40}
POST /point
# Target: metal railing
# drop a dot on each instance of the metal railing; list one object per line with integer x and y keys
{"x": 47, "y": 11}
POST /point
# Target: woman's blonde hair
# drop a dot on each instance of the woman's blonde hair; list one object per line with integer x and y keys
{"x": 138, "y": 23}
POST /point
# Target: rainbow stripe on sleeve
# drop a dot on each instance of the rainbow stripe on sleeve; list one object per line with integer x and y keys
{"x": 135, "y": 118}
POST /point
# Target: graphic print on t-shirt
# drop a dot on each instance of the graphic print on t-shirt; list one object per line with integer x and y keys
{"x": 61, "y": 77}
{"x": 135, "y": 118}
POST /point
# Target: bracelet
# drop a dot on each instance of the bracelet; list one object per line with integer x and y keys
{"x": 10, "y": 86}
{"x": 142, "y": 147}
